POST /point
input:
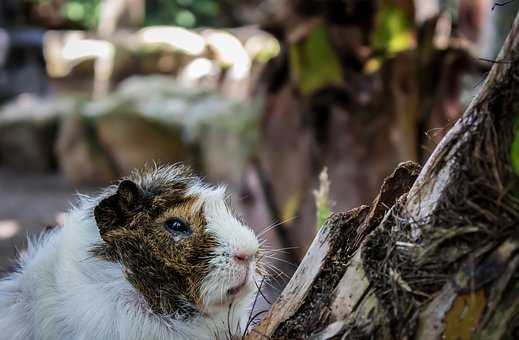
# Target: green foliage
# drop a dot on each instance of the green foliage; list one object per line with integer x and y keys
{"x": 85, "y": 12}
{"x": 185, "y": 13}
{"x": 515, "y": 147}
{"x": 393, "y": 29}
{"x": 313, "y": 61}
{"x": 322, "y": 199}
{"x": 323, "y": 212}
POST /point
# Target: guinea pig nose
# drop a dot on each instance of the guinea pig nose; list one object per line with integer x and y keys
{"x": 241, "y": 256}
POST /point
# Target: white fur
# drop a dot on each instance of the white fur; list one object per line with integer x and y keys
{"x": 232, "y": 236}
{"x": 61, "y": 292}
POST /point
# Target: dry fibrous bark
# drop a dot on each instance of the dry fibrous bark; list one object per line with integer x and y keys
{"x": 318, "y": 294}
{"x": 437, "y": 259}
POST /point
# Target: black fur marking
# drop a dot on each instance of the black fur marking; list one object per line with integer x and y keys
{"x": 167, "y": 271}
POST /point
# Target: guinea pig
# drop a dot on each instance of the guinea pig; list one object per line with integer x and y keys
{"x": 157, "y": 256}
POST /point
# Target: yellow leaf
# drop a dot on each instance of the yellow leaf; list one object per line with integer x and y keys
{"x": 463, "y": 317}
{"x": 290, "y": 207}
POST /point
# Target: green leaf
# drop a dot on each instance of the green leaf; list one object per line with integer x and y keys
{"x": 208, "y": 8}
{"x": 393, "y": 29}
{"x": 313, "y": 61}
{"x": 185, "y": 18}
{"x": 75, "y": 11}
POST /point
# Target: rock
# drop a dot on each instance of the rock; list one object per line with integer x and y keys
{"x": 80, "y": 157}
{"x": 26, "y": 145}
{"x": 28, "y": 130}
{"x": 133, "y": 141}
{"x": 174, "y": 123}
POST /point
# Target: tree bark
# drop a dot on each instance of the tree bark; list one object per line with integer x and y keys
{"x": 437, "y": 259}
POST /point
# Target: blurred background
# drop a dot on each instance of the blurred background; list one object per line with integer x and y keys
{"x": 301, "y": 107}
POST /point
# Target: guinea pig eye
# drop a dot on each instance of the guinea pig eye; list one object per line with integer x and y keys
{"x": 176, "y": 226}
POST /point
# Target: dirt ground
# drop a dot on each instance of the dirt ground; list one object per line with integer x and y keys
{"x": 28, "y": 203}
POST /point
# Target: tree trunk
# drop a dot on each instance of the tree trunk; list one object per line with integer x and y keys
{"x": 437, "y": 259}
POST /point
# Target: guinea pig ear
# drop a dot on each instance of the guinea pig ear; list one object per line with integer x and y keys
{"x": 114, "y": 210}
{"x": 130, "y": 195}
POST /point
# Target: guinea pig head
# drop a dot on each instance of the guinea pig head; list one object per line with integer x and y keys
{"x": 177, "y": 241}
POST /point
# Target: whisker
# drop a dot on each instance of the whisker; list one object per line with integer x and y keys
{"x": 272, "y": 270}
{"x": 249, "y": 320}
{"x": 278, "y": 274}
{"x": 228, "y": 321}
{"x": 274, "y": 225}
{"x": 279, "y": 278}
{"x": 275, "y": 252}
{"x": 258, "y": 314}
{"x": 277, "y": 289}
{"x": 280, "y": 260}
{"x": 278, "y": 249}
{"x": 269, "y": 263}
{"x": 262, "y": 295}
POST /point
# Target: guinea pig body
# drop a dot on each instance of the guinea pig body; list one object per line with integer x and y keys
{"x": 158, "y": 256}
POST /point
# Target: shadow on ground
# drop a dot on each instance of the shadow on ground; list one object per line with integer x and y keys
{"x": 28, "y": 204}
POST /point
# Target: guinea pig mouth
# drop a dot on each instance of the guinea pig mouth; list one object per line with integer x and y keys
{"x": 235, "y": 290}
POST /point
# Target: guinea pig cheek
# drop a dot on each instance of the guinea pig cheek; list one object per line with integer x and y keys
{"x": 233, "y": 260}
{"x": 228, "y": 279}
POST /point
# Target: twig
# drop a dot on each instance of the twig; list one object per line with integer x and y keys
{"x": 501, "y": 4}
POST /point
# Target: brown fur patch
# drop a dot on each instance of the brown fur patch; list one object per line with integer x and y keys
{"x": 166, "y": 271}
